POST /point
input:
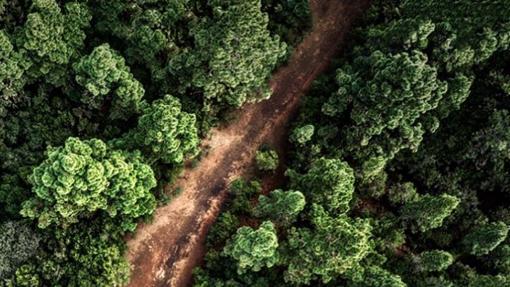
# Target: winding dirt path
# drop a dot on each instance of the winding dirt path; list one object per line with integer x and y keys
{"x": 164, "y": 252}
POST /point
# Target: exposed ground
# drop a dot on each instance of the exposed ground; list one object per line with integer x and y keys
{"x": 164, "y": 252}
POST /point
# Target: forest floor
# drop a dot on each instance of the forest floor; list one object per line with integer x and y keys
{"x": 165, "y": 251}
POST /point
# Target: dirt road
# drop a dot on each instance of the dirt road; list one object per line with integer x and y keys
{"x": 164, "y": 252}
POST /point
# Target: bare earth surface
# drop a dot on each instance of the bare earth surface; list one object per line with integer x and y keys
{"x": 165, "y": 251}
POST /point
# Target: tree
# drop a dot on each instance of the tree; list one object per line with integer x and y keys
{"x": 234, "y": 53}
{"x": 428, "y": 212}
{"x": 18, "y": 243}
{"x": 253, "y": 249}
{"x": 302, "y": 135}
{"x": 402, "y": 193}
{"x": 83, "y": 177}
{"x": 488, "y": 281}
{"x": 51, "y": 38}
{"x": 334, "y": 246}
{"x": 433, "y": 261}
{"x": 483, "y": 239}
{"x": 267, "y": 160}
{"x": 103, "y": 72}
{"x": 166, "y": 132}
{"x": 375, "y": 276}
{"x": 12, "y": 68}
{"x": 389, "y": 93}
{"x": 281, "y": 206}
{"x": 328, "y": 182}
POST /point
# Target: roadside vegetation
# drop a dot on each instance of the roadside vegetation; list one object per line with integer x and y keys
{"x": 397, "y": 166}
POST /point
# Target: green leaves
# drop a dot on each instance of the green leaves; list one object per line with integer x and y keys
{"x": 302, "y": 135}
{"x": 51, "y": 37}
{"x": 485, "y": 238}
{"x": 18, "y": 242}
{"x": 234, "y": 53}
{"x": 167, "y": 133}
{"x": 428, "y": 212}
{"x": 103, "y": 72}
{"x": 328, "y": 182}
{"x": 253, "y": 249}
{"x": 267, "y": 160}
{"x": 334, "y": 246}
{"x": 83, "y": 177}
{"x": 281, "y": 206}
{"x": 434, "y": 260}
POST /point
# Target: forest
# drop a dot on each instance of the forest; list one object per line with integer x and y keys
{"x": 396, "y": 169}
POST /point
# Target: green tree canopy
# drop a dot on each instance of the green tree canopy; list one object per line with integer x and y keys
{"x": 281, "y": 206}
{"x": 483, "y": 239}
{"x": 433, "y": 260}
{"x": 428, "y": 212}
{"x": 267, "y": 160}
{"x": 104, "y": 72}
{"x": 83, "y": 177}
{"x": 166, "y": 132}
{"x": 334, "y": 246}
{"x": 254, "y": 249}
{"x": 328, "y": 182}
{"x": 17, "y": 244}
{"x": 234, "y": 54}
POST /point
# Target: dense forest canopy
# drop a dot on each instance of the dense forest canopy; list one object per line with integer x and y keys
{"x": 401, "y": 155}
{"x": 397, "y": 172}
{"x": 101, "y": 103}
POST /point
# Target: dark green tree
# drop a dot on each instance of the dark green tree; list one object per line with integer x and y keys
{"x": 483, "y": 239}
{"x": 105, "y": 75}
{"x": 281, "y": 206}
{"x": 428, "y": 212}
{"x": 18, "y": 243}
{"x": 333, "y": 247}
{"x": 328, "y": 182}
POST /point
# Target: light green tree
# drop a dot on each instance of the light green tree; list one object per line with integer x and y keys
{"x": 83, "y": 177}
{"x": 253, "y": 249}
{"x": 267, "y": 160}
{"x": 166, "y": 132}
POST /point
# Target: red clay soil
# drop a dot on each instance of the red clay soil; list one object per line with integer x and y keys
{"x": 165, "y": 251}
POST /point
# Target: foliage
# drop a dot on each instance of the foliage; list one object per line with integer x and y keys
{"x": 267, "y": 160}
{"x": 167, "y": 133}
{"x": 375, "y": 276}
{"x": 434, "y": 260}
{"x": 227, "y": 39}
{"x": 302, "y": 135}
{"x": 17, "y": 244}
{"x": 485, "y": 238}
{"x": 334, "y": 246}
{"x": 428, "y": 212}
{"x": 83, "y": 177}
{"x": 103, "y": 72}
{"x": 51, "y": 37}
{"x": 328, "y": 182}
{"x": 254, "y": 249}
{"x": 281, "y": 206}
